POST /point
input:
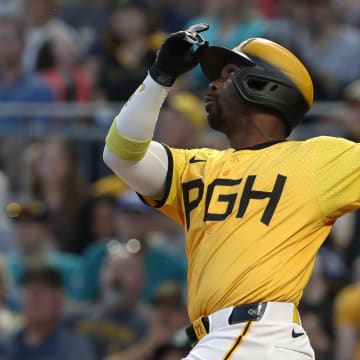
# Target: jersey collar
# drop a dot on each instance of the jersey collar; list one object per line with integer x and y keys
{"x": 261, "y": 145}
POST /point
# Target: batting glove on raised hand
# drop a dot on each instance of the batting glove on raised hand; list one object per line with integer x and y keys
{"x": 178, "y": 54}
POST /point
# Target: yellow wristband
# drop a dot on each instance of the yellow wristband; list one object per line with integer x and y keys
{"x": 124, "y": 147}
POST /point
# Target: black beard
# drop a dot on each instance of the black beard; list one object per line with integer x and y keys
{"x": 215, "y": 117}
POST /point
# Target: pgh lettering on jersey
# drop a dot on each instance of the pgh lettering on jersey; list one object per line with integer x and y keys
{"x": 241, "y": 211}
{"x": 230, "y": 200}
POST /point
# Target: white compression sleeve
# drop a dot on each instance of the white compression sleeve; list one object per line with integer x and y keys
{"x": 137, "y": 120}
{"x": 146, "y": 176}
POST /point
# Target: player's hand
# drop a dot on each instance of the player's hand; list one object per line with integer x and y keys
{"x": 179, "y": 53}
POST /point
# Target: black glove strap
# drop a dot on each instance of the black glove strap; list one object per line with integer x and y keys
{"x": 160, "y": 77}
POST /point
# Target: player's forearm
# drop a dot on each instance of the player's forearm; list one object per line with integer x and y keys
{"x": 128, "y": 150}
{"x": 137, "y": 118}
{"x": 132, "y": 130}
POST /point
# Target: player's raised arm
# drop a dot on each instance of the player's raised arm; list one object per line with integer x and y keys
{"x": 129, "y": 150}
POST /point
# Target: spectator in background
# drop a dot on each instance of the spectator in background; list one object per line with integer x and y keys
{"x": 9, "y": 322}
{"x": 158, "y": 238}
{"x": 181, "y": 121}
{"x": 119, "y": 318}
{"x": 348, "y": 11}
{"x": 285, "y": 24}
{"x": 347, "y": 319}
{"x": 169, "y": 16}
{"x": 7, "y": 235}
{"x": 168, "y": 318}
{"x": 350, "y": 116}
{"x": 329, "y": 49}
{"x": 97, "y": 220}
{"x": 128, "y": 52}
{"x": 42, "y": 24}
{"x": 107, "y": 185}
{"x": 55, "y": 177}
{"x": 325, "y": 45}
{"x": 231, "y": 21}
{"x": 315, "y": 312}
{"x": 67, "y": 77}
{"x": 90, "y": 18}
{"x": 267, "y": 7}
{"x": 36, "y": 245}
{"x": 9, "y": 7}
{"x": 16, "y": 87}
{"x": 42, "y": 336}
{"x": 141, "y": 227}
{"x": 349, "y": 228}
{"x": 176, "y": 349}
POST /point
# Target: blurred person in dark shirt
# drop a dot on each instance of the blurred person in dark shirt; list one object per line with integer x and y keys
{"x": 97, "y": 220}
{"x": 177, "y": 348}
{"x": 42, "y": 336}
{"x": 55, "y": 178}
{"x": 346, "y": 318}
{"x": 315, "y": 311}
{"x": 165, "y": 336}
{"x": 348, "y": 121}
{"x": 118, "y": 319}
{"x": 42, "y": 22}
{"x": 128, "y": 50}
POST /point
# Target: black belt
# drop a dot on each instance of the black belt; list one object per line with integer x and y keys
{"x": 239, "y": 314}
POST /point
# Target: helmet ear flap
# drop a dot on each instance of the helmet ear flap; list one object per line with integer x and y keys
{"x": 273, "y": 91}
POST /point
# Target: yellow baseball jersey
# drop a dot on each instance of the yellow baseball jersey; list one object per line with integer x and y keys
{"x": 347, "y": 311}
{"x": 255, "y": 218}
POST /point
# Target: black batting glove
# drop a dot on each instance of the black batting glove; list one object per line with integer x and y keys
{"x": 179, "y": 53}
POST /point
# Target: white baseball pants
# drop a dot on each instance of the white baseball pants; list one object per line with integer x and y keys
{"x": 276, "y": 336}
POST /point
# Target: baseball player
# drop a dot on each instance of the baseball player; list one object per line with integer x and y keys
{"x": 254, "y": 214}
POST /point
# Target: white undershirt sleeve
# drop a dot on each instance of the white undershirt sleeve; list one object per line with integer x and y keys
{"x": 137, "y": 120}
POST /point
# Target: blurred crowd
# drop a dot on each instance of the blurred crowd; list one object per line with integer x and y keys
{"x": 87, "y": 271}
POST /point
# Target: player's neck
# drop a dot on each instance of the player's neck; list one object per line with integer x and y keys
{"x": 238, "y": 145}
{"x": 257, "y": 131}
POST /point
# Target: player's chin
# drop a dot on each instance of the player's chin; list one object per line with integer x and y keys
{"x": 215, "y": 121}
{"x": 209, "y": 106}
{"x": 214, "y": 115}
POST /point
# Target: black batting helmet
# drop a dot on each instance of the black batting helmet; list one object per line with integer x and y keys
{"x": 272, "y": 77}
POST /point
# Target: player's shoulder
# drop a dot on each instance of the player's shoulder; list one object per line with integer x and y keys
{"x": 324, "y": 140}
{"x": 196, "y": 154}
{"x": 323, "y": 143}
